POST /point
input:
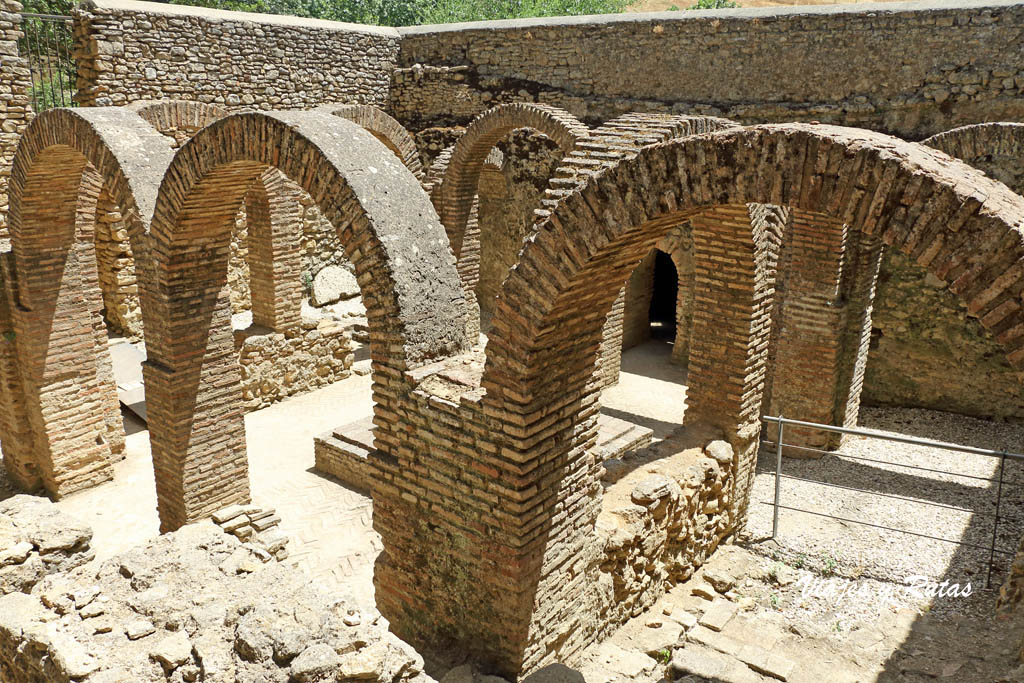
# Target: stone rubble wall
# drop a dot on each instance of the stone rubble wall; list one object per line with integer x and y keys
{"x": 909, "y": 69}
{"x": 675, "y": 514}
{"x": 37, "y": 540}
{"x": 277, "y": 365}
{"x": 127, "y": 51}
{"x": 194, "y": 605}
{"x": 14, "y": 84}
{"x": 508, "y": 196}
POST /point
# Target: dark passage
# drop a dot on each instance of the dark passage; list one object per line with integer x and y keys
{"x": 663, "y": 300}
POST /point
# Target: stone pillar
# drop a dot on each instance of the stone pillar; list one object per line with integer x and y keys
{"x": 733, "y": 298}
{"x": 823, "y": 326}
{"x": 15, "y": 112}
{"x": 274, "y": 218}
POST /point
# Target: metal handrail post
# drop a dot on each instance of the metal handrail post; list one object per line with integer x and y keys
{"x": 995, "y": 522}
{"x": 778, "y": 478}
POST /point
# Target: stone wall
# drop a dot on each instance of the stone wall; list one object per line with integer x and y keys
{"x": 912, "y": 69}
{"x": 127, "y": 51}
{"x": 14, "y": 85}
{"x": 508, "y": 196}
{"x": 276, "y": 365}
{"x": 926, "y": 351}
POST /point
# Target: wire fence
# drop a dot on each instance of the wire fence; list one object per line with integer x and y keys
{"x": 47, "y": 47}
{"x": 998, "y": 481}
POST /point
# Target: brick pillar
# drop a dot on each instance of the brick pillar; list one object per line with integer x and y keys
{"x": 609, "y": 356}
{"x": 733, "y": 296}
{"x": 636, "y": 321}
{"x": 274, "y": 218}
{"x": 193, "y": 389}
{"x": 822, "y": 329}
{"x": 71, "y": 399}
{"x": 860, "y": 279}
{"x": 15, "y": 433}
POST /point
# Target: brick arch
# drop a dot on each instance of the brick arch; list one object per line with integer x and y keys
{"x": 455, "y": 195}
{"x": 386, "y": 129}
{"x": 607, "y": 145}
{"x": 965, "y": 228}
{"x": 64, "y": 159}
{"x": 180, "y": 119}
{"x": 415, "y": 306}
{"x": 995, "y": 148}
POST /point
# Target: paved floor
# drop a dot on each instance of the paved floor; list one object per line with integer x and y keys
{"x": 329, "y": 525}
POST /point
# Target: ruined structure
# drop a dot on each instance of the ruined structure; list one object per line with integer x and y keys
{"x": 503, "y": 538}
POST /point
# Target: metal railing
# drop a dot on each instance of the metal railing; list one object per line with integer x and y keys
{"x": 779, "y": 443}
{"x": 46, "y": 45}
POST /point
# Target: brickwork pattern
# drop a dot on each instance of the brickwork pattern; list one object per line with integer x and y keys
{"x": 822, "y": 327}
{"x": 191, "y": 376}
{"x": 927, "y": 350}
{"x": 64, "y": 160}
{"x": 455, "y": 193}
{"x": 606, "y": 146}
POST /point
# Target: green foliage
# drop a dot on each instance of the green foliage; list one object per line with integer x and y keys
{"x": 62, "y": 7}
{"x": 50, "y": 93}
{"x": 713, "y": 4}
{"x": 412, "y": 12}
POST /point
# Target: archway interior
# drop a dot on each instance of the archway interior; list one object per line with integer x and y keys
{"x": 665, "y": 291}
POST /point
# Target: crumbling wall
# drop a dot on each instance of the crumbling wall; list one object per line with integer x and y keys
{"x": 277, "y": 365}
{"x": 36, "y": 540}
{"x": 127, "y": 51}
{"x": 196, "y": 604}
{"x": 912, "y": 70}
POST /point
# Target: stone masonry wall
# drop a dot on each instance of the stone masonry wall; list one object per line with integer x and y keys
{"x": 506, "y": 206}
{"x": 911, "y": 69}
{"x": 127, "y": 51}
{"x": 15, "y": 111}
{"x": 926, "y": 351}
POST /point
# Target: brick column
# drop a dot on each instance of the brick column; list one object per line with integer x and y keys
{"x": 274, "y": 218}
{"x": 19, "y": 458}
{"x": 609, "y": 356}
{"x": 193, "y": 388}
{"x": 733, "y": 297}
{"x": 71, "y": 399}
{"x": 823, "y": 325}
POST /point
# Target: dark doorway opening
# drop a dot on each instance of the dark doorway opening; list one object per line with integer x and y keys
{"x": 662, "y": 312}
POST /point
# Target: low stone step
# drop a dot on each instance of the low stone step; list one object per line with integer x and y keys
{"x": 707, "y": 664}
